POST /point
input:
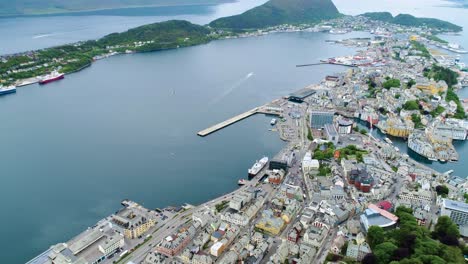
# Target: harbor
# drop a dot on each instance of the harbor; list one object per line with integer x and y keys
{"x": 265, "y": 109}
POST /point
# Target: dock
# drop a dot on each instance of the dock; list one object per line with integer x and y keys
{"x": 257, "y": 110}
{"x": 322, "y": 63}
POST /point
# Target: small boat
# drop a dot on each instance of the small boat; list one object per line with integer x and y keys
{"x": 388, "y": 140}
{"x": 273, "y": 122}
{"x": 242, "y": 182}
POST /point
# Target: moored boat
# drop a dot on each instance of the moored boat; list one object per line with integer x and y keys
{"x": 242, "y": 182}
{"x": 7, "y": 90}
{"x": 258, "y": 166}
{"x": 53, "y": 76}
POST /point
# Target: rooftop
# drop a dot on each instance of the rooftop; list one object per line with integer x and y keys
{"x": 455, "y": 205}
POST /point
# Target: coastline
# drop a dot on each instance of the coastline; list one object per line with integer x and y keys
{"x": 230, "y": 193}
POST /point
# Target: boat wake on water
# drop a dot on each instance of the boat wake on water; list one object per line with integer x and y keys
{"x": 43, "y": 36}
{"x": 232, "y": 88}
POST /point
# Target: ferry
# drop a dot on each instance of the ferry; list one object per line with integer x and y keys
{"x": 273, "y": 122}
{"x": 53, "y": 76}
{"x": 242, "y": 182}
{"x": 7, "y": 90}
{"x": 258, "y": 166}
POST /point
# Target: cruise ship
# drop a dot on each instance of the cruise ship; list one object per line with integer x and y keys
{"x": 258, "y": 166}
{"x": 7, "y": 90}
{"x": 53, "y": 76}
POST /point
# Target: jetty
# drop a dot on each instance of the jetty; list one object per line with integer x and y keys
{"x": 257, "y": 110}
{"x": 331, "y": 63}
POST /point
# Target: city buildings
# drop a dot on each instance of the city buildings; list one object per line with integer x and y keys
{"x": 431, "y": 86}
{"x": 309, "y": 165}
{"x": 134, "y": 219}
{"x": 457, "y": 211}
{"x": 318, "y": 119}
{"x": 331, "y": 133}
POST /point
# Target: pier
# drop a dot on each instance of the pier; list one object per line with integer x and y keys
{"x": 321, "y": 63}
{"x": 257, "y": 110}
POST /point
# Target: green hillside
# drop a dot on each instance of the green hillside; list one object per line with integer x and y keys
{"x": 412, "y": 21}
{"x": 277, "y": 12}
{"x": 168, "y": 34}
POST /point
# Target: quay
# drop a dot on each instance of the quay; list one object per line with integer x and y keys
{"x": 257, "y": 110}
{"x": 321, "y": 63}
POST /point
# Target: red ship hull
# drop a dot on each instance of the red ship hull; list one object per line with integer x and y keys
{"x": 52, "y": 79}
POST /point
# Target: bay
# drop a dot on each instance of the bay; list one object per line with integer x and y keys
{"x": 126, "y": 128}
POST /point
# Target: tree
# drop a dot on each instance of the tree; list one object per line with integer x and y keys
{"x": 445, "y": 229}
{"x": 375, "y": 236}
{"x": 384, "y": 252}
{"x": 411, "y": 261}
{"x": 369, "y": 259}
{"x": 432, "y": 259}
{"x": 417, "y": 121}
{"x": 363, "y": 131}
{"x": 344, "y": 248}
{"x": 403, "y": 209}
{"x": 442, "y": 190}
{"x": 391, "y": 83}
{"x": 411, "y": 83}
{"x": 401, "y": 253}
{"x": 411, "y": 105}
{"x": 452, "y": 254}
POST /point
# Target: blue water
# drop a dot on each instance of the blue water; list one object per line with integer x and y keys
{"x": 20, "y": 34}
{"x": 126, "y": 128}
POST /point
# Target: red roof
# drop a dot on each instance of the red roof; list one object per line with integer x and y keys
{"x": 386, "y": 205}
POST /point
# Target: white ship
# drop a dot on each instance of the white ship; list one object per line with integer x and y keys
{"x": 258, "y": 166}
{"x": 7, "y": 90}
{"x": 273, "y": 122}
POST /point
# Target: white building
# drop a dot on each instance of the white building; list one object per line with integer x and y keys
{"x": 309, "y": 164}
{"x": 457, "y": 211}
{"x": 111, "y": 244}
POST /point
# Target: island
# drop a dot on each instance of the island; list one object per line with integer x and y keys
{"x": 412, "y": 21}
{"x": 277, "y": 12}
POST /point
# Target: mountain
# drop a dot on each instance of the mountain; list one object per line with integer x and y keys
{"x": 39, "y": 7}
{"x": 409, "y": 20}
{"x": 277, "y": 12}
